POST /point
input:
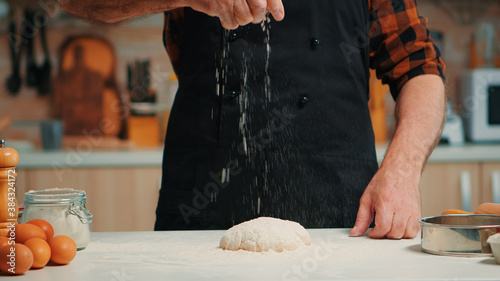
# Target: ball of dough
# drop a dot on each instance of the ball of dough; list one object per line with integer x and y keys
{"x": 263, "y": 234}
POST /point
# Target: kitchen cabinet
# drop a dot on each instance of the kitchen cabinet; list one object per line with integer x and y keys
{"x": 125, "y": 198}
{"x": 122, "y": 185}
{"x": 461, "y": 186}
{"x": 491, "y": 182}
{"x": 121, "y": 199}
{"x": 450, "y": 186}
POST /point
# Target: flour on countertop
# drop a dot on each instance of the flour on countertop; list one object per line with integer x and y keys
{"x": 185, "y": 254}
{"x": 264, "y": 234}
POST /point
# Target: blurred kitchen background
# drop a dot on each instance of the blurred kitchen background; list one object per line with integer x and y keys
{"x": 121, "y": 73}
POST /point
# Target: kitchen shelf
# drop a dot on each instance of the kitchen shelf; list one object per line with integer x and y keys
{"x": 465, "y": 11}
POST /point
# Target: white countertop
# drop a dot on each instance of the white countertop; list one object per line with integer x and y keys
{"x": 97, "y": 158}
{"x": 194, "y": 255}
{"x": 153, "y": 157}
{"x": 466, "y": 153}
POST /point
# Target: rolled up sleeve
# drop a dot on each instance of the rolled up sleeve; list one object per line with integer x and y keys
{"x": 400, "y": 44}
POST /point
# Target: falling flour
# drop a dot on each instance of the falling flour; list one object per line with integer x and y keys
{"x": 264, "y": 234}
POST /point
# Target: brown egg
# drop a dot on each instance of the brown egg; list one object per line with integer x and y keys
{"x": 4, "y": 241}
{"x": 25, "y": 231}
{"x": 63, "y": 249}
{"x": 41, "y": 251}
{"x": 45, "y": 226}
{"x": 488, "y": 209}
{"x": 15, "y": 259}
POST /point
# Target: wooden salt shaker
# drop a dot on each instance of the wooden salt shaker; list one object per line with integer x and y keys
{"x": 9, "y": 158}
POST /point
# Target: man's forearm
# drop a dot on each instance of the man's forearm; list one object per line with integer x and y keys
{"x": 116, "y": 10}
{"x": 420, "y": 114}
{"x": 392, "y": 196}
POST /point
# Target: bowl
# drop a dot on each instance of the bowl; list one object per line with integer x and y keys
{"x": 494, "y": 242}
{"x": 459, "y": 235}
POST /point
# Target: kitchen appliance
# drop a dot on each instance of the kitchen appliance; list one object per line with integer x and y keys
{"x": 481, "y": 104}
{"x": 453, "y": 132}
{"x": 143, "y": 124}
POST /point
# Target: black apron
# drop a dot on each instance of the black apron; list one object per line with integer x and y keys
{"x": 282, "y": 132}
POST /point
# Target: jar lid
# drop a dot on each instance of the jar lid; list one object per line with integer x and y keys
{"x": 54, "y": 195}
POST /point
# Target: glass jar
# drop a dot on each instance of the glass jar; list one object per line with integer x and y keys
{"x": 64, "y": 209}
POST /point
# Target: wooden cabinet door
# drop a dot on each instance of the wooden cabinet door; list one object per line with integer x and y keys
{"x": 121, "y": 199}
{"x": 441, "y": 187}
{"x": 491, "y": 182}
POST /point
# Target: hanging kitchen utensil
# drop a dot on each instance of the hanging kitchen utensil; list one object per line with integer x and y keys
{"x": 31, "y": 67}
{"x": 151, "y": 96}
{"x": 14, "y": 80}
{"x": 146, "y": 76}
{"x": 137, "y": 93}
{"x": 45, "y": 80}
{"x": 130, "y": 84}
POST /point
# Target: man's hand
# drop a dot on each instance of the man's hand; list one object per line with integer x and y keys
{"x": 393, "y": 195}
{"x": 234, "y": 13}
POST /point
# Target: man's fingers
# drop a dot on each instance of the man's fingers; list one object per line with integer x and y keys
{"x": 394, "y": 226}
{"x": 363, "y": 219}
{"x": 412, "y": 227}
{"x": 259, "y": 9}
{"x": 275, "y": 7}
{"x": 225, "y": 13}
{"x": 242, "y": 12}
{"x": 228, "y": 21}
{"x": 398, "y": 227}
{"x": 383, "y": 223}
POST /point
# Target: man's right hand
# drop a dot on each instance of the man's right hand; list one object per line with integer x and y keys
{"x": 234, "y": 13}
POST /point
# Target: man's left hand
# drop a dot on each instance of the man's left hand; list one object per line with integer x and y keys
{"x": 392, "y": 196}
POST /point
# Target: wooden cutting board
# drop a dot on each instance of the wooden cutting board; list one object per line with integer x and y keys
{"x": 78, "y": 97}
{"x": 86, "y": 95}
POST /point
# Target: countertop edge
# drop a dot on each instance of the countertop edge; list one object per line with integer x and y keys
{"x": 468, "y": 153}
{"x": 104, "y": 159}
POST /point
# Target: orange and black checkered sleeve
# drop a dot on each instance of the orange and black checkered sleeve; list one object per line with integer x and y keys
{"x": 400, "y": 44}
{"x": 172, "y": 35}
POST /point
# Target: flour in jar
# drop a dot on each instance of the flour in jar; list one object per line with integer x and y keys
{"x": 264, "y": 234}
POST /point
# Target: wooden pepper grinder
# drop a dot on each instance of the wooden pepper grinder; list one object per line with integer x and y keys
{"x": 9, "y": 158}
